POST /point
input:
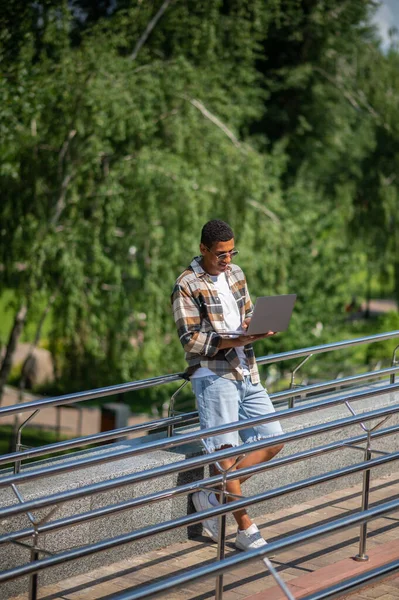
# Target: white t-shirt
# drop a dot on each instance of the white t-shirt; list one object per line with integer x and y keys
{"x": 232, "y": 320}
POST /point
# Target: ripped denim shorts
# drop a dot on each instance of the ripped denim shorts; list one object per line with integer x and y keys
{"x": 221, "y": 401}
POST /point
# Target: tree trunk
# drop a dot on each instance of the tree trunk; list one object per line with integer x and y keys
{"x": 24, "y": 373}
{"x": 36, "y": 340}
{"x": 16, "y": 331}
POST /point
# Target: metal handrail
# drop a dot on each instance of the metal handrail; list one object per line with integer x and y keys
{"x": 183, "y": 465}
{"x": 186, "y": 418}
{"x": 379, "y": 337}
{"x": 146, "y": 383}
{"x": 190, "y": 437}
{"x": 197, "y": 435}
{"x": 90, "y": 394}
{"x": 365, "y": 466}
{"x": 105, "y": 436}
{"x": 282, "y": 544}
{"x": 239, "y": 560}
{"x": 332, "y": 383}
{"x": 187, "y": 488}
{"x": 24, "y": 507}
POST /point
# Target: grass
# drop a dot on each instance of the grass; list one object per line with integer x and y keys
{"x": 8, "y": 307}
{"x": 33, "y": 438}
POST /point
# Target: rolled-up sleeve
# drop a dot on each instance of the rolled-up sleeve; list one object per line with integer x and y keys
{"x": 186, "y": 313}
{"x": 249, "y": 307}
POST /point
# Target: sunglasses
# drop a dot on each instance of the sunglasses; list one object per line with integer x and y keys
{"x": 223, "y": 255}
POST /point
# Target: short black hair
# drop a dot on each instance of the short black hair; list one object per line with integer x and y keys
{"x": 216, "y": 231}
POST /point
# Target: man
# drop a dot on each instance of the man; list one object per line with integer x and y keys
{"x": 208, "y": 298}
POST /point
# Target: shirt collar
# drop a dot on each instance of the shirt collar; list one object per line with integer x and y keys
{"x": 199, "y": 271}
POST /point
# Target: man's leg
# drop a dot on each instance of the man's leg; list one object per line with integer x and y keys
{"x": 254, "y": 402}
{"x": 221, "y": 401}
{"x": 217, "y": 402}
{"x": 234, "y": 485}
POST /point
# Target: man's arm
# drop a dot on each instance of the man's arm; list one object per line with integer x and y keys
{"x": 248, "y": 306}
{"x": 243, "y": 340}
{"x": 186, "y": 314}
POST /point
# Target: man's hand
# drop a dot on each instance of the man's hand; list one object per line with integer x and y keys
{"x": 246, "y": 323}
{"x": 253, "y": 338}
{"x": 243, "y": 340}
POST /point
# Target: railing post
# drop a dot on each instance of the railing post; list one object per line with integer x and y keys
{"x": 291, "y": 401}
{"x": 33, "y": 579}
{"x": 222, "y": 520}
{"x": 362, "y": 556}
{"x": 282, "y": 584}
{"x": 221, "y": 538}
{"x": 17, "y": 464}
{"x": 171, "y": 408}
{"x": 34, "y": 549}
{"x": 394, "y": 363}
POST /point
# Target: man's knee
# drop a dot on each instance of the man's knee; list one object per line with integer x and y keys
{"x": 226, "y": 463}
{"x": 276, "y": 449}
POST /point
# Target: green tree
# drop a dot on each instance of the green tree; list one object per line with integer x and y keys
{"x": 125, "y": 126}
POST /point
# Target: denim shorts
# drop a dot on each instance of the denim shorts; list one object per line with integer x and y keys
{"x": 221, "y": 401}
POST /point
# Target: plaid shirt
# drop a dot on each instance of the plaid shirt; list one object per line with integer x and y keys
{"x": 198, "y": 315}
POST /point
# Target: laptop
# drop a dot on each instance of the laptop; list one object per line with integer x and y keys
{"x": 271, "y": 313}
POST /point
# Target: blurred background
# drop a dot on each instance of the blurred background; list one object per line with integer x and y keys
{"x": 126, "y": 124}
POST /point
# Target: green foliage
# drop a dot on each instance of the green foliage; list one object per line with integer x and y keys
{"x": 383, "y": 352}
{"x": 279, "y": 117}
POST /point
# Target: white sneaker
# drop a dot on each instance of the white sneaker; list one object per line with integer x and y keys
{"x": 203, "y": 500}
{"x": 250, "y": 538}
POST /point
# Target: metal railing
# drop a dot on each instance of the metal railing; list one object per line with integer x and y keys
{"x": 37, "y": 528}
{"x": 38, "y": 565}
{"x": 286, "y": 543}
{"x": 164, "y": 444}
{"x": 176, "y": 418}
{"x": 184, "y": 418}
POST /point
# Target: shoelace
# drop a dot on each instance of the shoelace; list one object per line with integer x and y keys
{"x": 254, "y": 537}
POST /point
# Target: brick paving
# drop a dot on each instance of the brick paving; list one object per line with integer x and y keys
{"x": 334, "y": 573}
{"x": 307, "y": 568}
